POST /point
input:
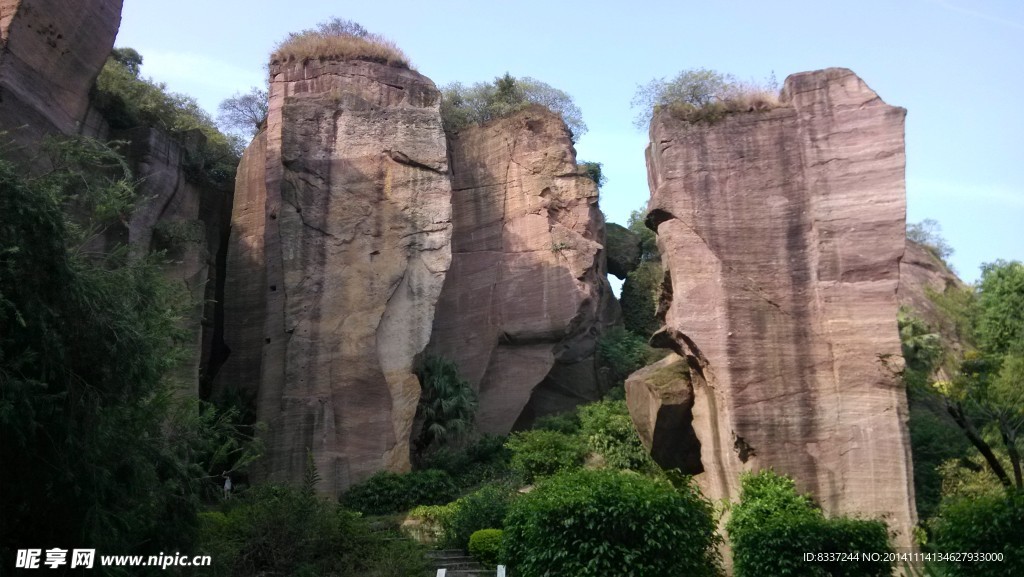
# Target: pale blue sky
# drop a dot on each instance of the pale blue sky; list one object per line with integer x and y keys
{"x": 956, "y": 65}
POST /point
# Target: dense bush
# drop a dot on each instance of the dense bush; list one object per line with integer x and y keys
{"x": 388, "y": 492}
{"x": 276, "y": 530}
{"x": 622, "y": 352}
{"x": 127, "y": 101}
{"x": 991, "y": 523}
{"x": 773, "y": 526}
{"x": 639, "y": 300}
{"x": 483, "y": 509}
{"x": 609, "y": 432}
{"x": 568, "y": 423}
{"x": 462, "y": 107}
{"x": 484, "y": 459}
{"x": 485, "y": 546}
{"x": 540, "y": 453}
{"x": 595, "y": 523}
{"x": 95, "y": 446}
{"x": 339, "y": 39}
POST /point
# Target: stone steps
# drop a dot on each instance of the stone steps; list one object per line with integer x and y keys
{"x": 457, "y": 564}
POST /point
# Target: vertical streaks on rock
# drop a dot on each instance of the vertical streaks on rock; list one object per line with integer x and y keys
{"x": 350, "y": 254}
{"x": 782, "y": 232}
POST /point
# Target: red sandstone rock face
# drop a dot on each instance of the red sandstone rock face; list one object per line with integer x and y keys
{"x": 52, "y": 52}
{"x": 343, "y": 267}
{"x": 526, "y": 296}
{"x": 923, "y": 273}
{"x": 782, "y": 233}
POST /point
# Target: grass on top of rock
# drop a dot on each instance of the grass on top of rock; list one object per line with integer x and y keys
{"x": 339, "y": 39}
{"x": 700, "y": 94}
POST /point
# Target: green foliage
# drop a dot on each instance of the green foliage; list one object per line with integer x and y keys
{"x": 593, "y": 171}
{"x": 922, "y": 348}
{"x": 568, "y": 423}
{"x": 928, "y": 233}
{"x": 277, "y": 530}
{"x": 701, "y": 94}
{"x": 934, "y": 440}
{"x": 447, "y": 404}
{"x": 607, "y": 522}
{"x": 92, "y": 435}
{"x": 609, "y": 432}
{"x": 484, "y": 459}
{"x": 339, "y": 39}
{"x": 127, "y": 101}
{"x": 992, "y": 523}
{"x": 485, "y": 101}
{"x": 539, "y": 453}
{"x": 648, "y": 239}
{"x": 1001, "y": 303}
{"x": 623, "y": 352}
{"x": 773, "y": 526}
{"x": 639, "y": 300}
{"x": 485, "y": 546}
{"x": 387, "y": 492}
{"x": 485, "y": 508}
{"x": 432, "y": 520}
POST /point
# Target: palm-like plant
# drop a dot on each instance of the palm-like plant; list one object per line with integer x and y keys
{"x": 447, "y": 403}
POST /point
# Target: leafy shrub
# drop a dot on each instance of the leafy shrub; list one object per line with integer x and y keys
{"x": 991, "y": 523}
{"x": 447, "y": 404}
{"x": 432, "y": 520}
{"x": 605, "y": 522}
{"x": 539, "y": 453}
{"x": 127, "y": 101}
{"x": 388, "y": 492}
{"x": 928, "y": 233}
{"x": 701, "y": 94}
{"x": 485, "y": 101}
{"x": 485, "y": 546}
{"x": 487, "y": 458}
{"x": 609, "y": 432}
{"x": 568, "y": 423}
{"x": 339, "y": 39}
{"x": 773, "y": 526}
{"x": 483, "y": 509}
{"x": 640, "y": 294}
{"x": 281, "y": 530}
{"x": 623, "y": 352}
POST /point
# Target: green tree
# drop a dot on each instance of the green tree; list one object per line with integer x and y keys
{"x": 990, "y": 523}
{"x": 92, "y": 435}
{"x": 607, "y": 522}
{"x": 699, "y": 93}
{"x": 928, "y": 233}
{"x": 447, "y": 404}
{"x": 539, "y": 453}
{"x": 463, "y": 106}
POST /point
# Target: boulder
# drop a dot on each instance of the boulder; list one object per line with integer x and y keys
{"x": 781, "y": 232}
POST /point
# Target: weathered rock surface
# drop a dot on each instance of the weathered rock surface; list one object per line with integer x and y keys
{"x": 782, "y": 233}
{"x": 660, "y": 397}
{"x": 52, "y": 52}
{"x": 922, "y": 273}
{"x": 526, "y": 296}
{"x": 343, "y": 267}
{"x": 187, "y": 221}
{"x": 623, "y": 247}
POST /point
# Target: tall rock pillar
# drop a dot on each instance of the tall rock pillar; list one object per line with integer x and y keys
{"x": 781, "y": 233}
{"x": 341, "y": 249}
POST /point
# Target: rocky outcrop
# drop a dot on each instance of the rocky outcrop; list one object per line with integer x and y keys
{"x": 781, "y": 233}
{"x": 922, "y": 273}
{"x": 52, "y": 52}
{"x": 526, "y": 297}
{"x": 340, "y": 246}
{"x": 660, "y": 399}
{"x": 623, "y": 248}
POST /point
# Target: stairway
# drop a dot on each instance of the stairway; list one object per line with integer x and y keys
{"x": 458, "y": 564}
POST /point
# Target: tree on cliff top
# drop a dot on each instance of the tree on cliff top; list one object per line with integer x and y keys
{"x": 463, "y": 106}
{"x": 244, "y": 113}
{"x": 339, "y": 39}
{"x": 702, "y": 94}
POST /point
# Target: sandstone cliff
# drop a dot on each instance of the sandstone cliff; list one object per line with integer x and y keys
{"x": 921, "y": 274}
{"x": 781, "y": 233}
{"x": 340, "y": 247}
{"x": 52, "y": 52}
{"x": 526, "y": 296}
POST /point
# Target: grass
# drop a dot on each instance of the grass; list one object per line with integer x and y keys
{"x": 314, "y": 45}
{"x": 739, "y": 98}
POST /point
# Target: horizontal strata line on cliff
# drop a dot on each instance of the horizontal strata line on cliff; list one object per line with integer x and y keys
{"x": 403, "y": 158}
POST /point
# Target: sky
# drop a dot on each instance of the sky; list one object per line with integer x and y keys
{"x": 957, "y": 66}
